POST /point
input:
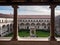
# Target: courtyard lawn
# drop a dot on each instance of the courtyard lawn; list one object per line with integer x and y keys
{"x": 26, "y": 33}
{"x": 23, "y": 33}
{"x": 38, "y": 34}
{"x": 42, "y": 34}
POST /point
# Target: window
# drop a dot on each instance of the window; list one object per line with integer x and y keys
{"x": 28, "y": 20}
{"x": 36, "y": 20}
{"x": 44, "y": 20}
{"x": 39, "y": 20}
{"x": 31, "y": 20}
{"x": 47, "y": 20}
{"x": 23, "y": 20}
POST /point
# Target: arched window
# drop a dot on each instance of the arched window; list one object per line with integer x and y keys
{"x": 27, "y": 24}
{"x": 28, "y": 20}
{"x": 8, "y": 27}
{"x": 43, "y": 24}
{"x": 22, "y": 24}
{"x": 11, "y": 27}
{"x": 32, "y": 24}
{"x": 38, "y": 24}
{"x": 36, "y": 20}
{"x": 48, "y": 24}
{"x": 3, "y": 26}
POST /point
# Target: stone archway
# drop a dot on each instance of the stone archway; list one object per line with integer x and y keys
{"x": 48, "y": 25}
{"x": 3, "y": 26}
{"x": 11, "y": 27}
{"x": 7, "y": 26}
{"x": 38, "y": 25}
{"x": 32, "y": 24}
{"x": 27, "y": 24}
{"x": 44, "y": 26}
{"x": 22, "y": 26}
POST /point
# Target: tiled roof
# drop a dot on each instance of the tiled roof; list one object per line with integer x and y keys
{"x": 25, "y": 16}
{"x": 34, "y": 16}
{"x": 5, "y": 16}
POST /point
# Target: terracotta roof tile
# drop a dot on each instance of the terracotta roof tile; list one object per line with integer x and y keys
{"x": 25, "y": 16}
{"x": 33, "y": 16}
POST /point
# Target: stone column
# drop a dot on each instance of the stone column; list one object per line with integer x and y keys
{"x": 1, "y": 31}
{"x": 15, "y": 27}
{"x": 52, "y": 31}
{"x": 9, "y": 28}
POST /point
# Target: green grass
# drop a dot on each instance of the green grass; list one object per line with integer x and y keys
{"x": 23, "y": 33}
{"x": 42, "y": 33}
{"x": 39, "y": 33}
{"x": 26, "y": 33}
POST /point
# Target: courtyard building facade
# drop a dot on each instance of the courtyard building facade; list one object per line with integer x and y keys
{"x": 41, "y": 22}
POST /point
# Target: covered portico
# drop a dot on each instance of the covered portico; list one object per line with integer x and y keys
{"x": 15, "y": 3}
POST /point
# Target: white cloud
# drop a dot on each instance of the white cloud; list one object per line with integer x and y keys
{"x": 31, "y": 10}
{"x": 34, "y": 10}
{"x": 6, "y": 11}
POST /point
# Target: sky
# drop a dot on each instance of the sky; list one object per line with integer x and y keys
{"x": 30, "y": 10}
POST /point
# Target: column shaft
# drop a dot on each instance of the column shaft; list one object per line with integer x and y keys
{"x": 15, "y": 30}
{"x": 52, "y": 31}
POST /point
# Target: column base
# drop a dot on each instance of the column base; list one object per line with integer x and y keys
{"x": 14, "y": 39}
{"x": 52, "y": 38}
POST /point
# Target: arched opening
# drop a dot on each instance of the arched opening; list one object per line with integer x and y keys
{"x": 37, "y": 25}
{"x": 48, "y": 25}
{"x": 22, "y": 24}
{"x": 27, "y": 24}
{"x": 8, "y": 28}
{"x": 43, "y": 24}
{"x": 3, "y": 26}
{"x": 11, "y": 27}
{"x": 32, "y": 24}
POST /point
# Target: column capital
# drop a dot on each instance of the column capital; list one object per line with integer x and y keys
{"x": 52, "y": 6}
{"x": 15, "y": 6}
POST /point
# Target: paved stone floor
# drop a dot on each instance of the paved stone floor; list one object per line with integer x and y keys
{"x": 28, "y": 38}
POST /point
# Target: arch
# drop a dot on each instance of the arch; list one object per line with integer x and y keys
{"x": 11, "y": 27}
{"x": 43, "y": 24}
{"x": 32, "y": 24}
{"x": 7, "y": 26}
{"x": 3, "y": 26}
{"x": 38, "y": 24}
{"x": 22, "y": 24}
{"x": 48, "y": 24}
{"x": 27, "y": 24}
